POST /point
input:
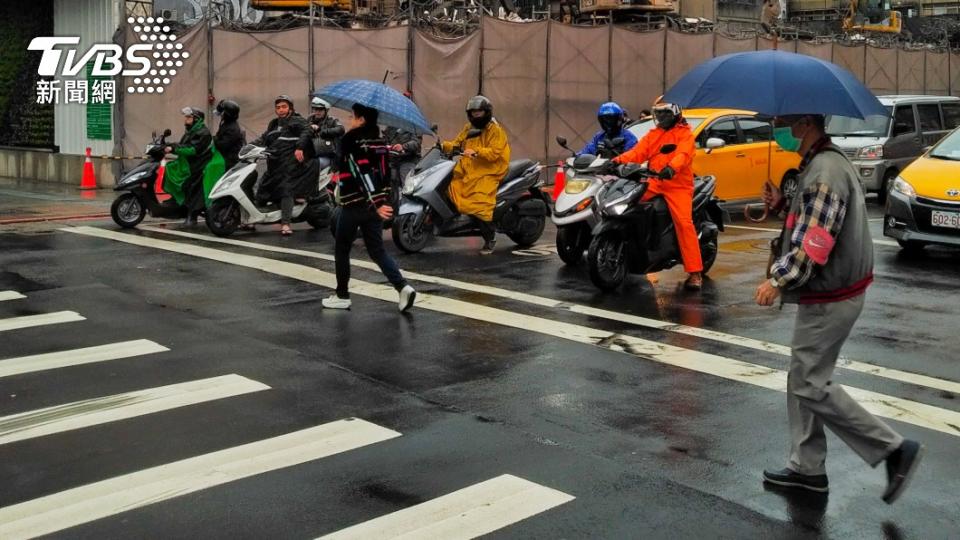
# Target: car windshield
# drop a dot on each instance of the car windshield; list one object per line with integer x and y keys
{"x": 872, "y": 126}
{"x": 642, "y": 128}
{"x": 948, "y": 148}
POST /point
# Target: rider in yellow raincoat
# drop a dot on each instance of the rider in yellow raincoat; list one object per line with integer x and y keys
{"x": 477, "y": 175}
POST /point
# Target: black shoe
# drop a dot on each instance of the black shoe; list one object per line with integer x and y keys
{"x": 793, "y": 479}
{"x": 488, "y": 247}
{"x": 901, "y": 464}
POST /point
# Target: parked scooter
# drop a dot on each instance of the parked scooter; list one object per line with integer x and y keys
{"x": 138, "y": 189}
{"x": 233, "y": 202}
{"x": 639, "y": 237}
{"x": 425, "y": 209}
{"x": 572, "y": 212}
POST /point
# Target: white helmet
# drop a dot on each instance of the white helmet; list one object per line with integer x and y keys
{"x": 319, "y": 103}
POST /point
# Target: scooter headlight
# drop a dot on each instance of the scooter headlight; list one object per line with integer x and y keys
{"x": 619, "y": 209}
{"x": 413, "y": 181}
{"x": 576, "y": 186}
{"x": 223, "y": 185}
{"x": 133, "y": 178}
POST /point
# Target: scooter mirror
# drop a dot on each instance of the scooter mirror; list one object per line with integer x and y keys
{"x": 562, "y": 141}
{"x": 167, "y": 132}
{"x": 667, "y": 148}
{"x": 153, "y": 135}
{"x": 434, "y": 128}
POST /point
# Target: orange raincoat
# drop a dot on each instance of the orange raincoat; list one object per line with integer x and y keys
{"x": 678, "y": 191}
{"x": 473, "y": 189}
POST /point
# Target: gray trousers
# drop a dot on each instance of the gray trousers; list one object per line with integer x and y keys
{"x": 813, "y": 401}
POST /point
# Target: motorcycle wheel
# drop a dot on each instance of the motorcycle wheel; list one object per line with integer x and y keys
{"x": 608, "y": 262}
{"x": 526, "y": 236}
{"x": 223, "y": 217}
{"x": 127, "y": 211}
{"x": 407, "y": 236}
{"x": 708, "y": 254}
{"x": 570, "y": 243}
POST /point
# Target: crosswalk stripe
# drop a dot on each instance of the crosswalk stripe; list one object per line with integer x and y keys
{"x": 27, "y": 321}
{"x": 10, "y": 295}
{"x": 76, "y": 357}
{"x": 102, "y": 410}
{"x": 912, "y": 412}
{"x": 464, "y": 514}
{"x": 102, "y": 499}
{"x": 703, "y": 333}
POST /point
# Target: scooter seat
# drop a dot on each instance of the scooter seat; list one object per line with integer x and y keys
{"x": 517, "y": 168}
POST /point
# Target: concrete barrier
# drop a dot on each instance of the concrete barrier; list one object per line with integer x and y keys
{"x": 46, "y": 166}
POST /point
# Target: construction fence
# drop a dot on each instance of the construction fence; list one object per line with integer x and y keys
{"x": 545, "y": 78}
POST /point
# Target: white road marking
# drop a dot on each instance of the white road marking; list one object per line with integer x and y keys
{"x": 703, "y": 333}
{"x": 76, "y": 357}
{"x": 28, "y": 321}
{"x": 878, "y": 241}
{"x": 87, "y": 503}
{"x": 464, "y": 514}
{"x": 912, "y": 412}
{"x": 102, "y": 410}
{"x": 10, "y": 295}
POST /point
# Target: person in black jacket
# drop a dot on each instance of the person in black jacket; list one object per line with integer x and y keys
{"x": 230, "y": 138}
{"x": 322, "y": 140}
{"x": 365, "y": 205}
{"x": 196, "y": 147}
{"x": 405, "y": 148}
{"x": 286, "y": 178}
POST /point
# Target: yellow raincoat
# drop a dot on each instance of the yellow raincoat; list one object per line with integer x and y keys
{"x": 473, "y": 189}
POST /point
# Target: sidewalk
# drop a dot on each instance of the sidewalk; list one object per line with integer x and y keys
{"x": 28, "y": 201}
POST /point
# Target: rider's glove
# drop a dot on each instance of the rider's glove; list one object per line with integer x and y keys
{"x": 666, "y": 173}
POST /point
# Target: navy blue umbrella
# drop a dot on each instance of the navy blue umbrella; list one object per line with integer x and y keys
{"x": 774, "y": 83}
{"x": 396, "y": 110}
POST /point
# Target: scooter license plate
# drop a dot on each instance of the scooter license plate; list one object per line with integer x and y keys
{"x": 949, "y": 220}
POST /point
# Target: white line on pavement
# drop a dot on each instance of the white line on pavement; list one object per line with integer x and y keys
{"x": 102, "y": 410}
{"x": 87, "y": 503}
{"x": 912, "y": 412}
{"x": 27, "y": 321}
{"x": 10, "y": 295}
{"x": 464, "y": 514}
{"x": 703, "y": 333}
{"x": 76, "y": 357}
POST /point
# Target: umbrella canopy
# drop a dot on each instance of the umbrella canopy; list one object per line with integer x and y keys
{"x": 774, "y": 83}
{"x": 395, "y": 109}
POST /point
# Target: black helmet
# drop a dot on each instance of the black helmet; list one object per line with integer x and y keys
{"x": 228, "y": 109}
{"x": 480, "y": 103}
{"x": 192, "y": 111}
{"x": 284, "y": 97}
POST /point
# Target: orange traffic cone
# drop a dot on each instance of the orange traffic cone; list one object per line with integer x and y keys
{"x": 89, "y": 180}
{"x": 559, "y": 180}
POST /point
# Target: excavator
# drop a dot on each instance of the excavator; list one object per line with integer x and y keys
{"x": 869, "y": 16}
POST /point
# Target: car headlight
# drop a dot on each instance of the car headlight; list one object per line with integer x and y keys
{"x": 904, "y": 187}
{"x": 874, "y": 151}
{"x": 576, "y": 186}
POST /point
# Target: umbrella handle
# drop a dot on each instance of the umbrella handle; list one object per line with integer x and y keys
{"x": 747, "y": 209}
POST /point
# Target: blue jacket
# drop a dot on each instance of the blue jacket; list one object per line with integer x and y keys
{"x": 629, "y": 140}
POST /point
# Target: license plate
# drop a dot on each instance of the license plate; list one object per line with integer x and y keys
{"x": 950, "y": 220}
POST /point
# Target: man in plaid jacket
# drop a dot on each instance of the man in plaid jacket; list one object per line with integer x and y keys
{"x": 824, "y": 263}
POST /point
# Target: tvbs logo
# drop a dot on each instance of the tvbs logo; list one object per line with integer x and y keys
{"x": 152, "y": 62}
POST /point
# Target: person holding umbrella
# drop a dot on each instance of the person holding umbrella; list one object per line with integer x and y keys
{"x": 823, "y": 258}
{"x": 364, "y": 189}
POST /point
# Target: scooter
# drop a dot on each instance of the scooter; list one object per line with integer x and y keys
{"x": 638, "y": 237}
{"x": 572, "y": 212}
{"x": 138, "y": 189}
{"x": 233, "y": 202}
{"x": 425, "y": 209}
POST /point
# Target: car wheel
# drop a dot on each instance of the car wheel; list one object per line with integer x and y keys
{"x": 788, "y": 186}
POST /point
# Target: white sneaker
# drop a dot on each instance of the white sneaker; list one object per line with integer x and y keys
{"x": 335, "y": 302}
{"x": 407, "y": 296}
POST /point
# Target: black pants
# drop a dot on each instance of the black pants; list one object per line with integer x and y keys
{"x": 351, "y": 218}
{"x": 487, "y": 230}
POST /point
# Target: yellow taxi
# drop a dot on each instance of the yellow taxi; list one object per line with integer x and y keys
{"x": 737, "y": 148}
{"x": 923, "y": 204}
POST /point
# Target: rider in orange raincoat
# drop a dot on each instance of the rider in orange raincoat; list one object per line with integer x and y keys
{"x": 676, "y": 180}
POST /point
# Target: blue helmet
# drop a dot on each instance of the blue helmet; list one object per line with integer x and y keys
{"x": 611, "y": 117}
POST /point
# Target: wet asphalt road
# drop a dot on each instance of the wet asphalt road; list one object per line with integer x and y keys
{"x": 648, "y": 450}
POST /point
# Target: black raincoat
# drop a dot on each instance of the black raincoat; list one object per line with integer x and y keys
{"x": 285, "y": 176}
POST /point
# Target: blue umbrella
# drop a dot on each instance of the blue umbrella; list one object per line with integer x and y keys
{"x": 774, "y": 83}
{"x": 396, "y": 110}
